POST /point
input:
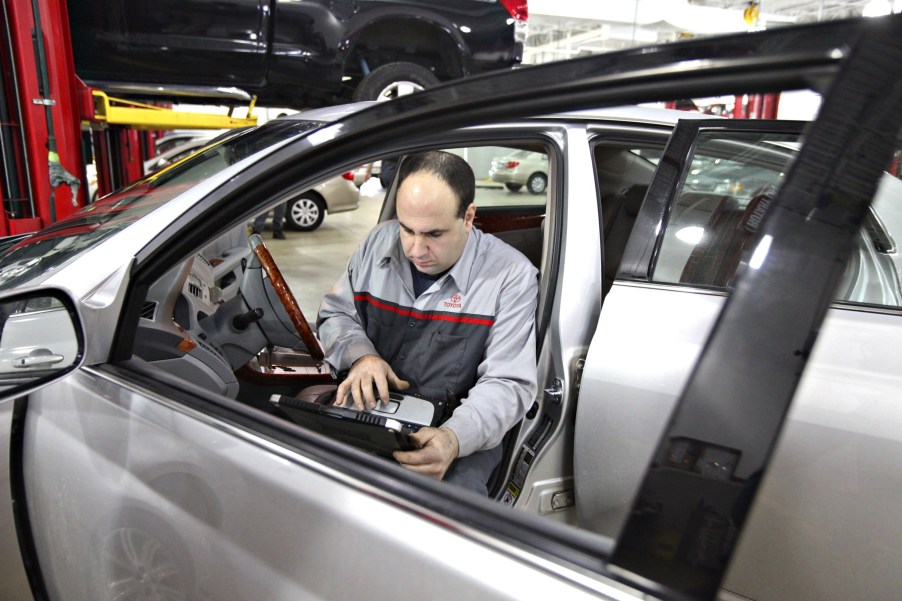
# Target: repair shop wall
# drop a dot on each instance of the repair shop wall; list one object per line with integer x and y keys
{"x": 49, "y": 119}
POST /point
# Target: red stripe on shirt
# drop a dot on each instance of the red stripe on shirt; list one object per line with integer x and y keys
{"x": 479, "y": 321}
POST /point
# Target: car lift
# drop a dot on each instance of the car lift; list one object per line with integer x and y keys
{"x": 52, "y": 124}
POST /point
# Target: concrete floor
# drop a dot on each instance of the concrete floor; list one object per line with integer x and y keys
{"x": 311, "y": 262}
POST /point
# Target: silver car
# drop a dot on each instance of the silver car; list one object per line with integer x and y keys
{"x": 719, "y": 398}
{"x": 521, "y": 168}
{"x": 305, "y": 212}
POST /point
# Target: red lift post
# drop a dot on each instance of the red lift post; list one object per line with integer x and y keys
{"x": 42, "y": 104}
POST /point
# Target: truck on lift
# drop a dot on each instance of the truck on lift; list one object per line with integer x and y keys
{"x": 291, "y": 54}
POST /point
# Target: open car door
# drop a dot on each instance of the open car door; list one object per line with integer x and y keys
{"x": 749, "y": 235}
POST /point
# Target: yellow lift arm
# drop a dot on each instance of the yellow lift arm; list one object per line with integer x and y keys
{"x": 148, "y": 117}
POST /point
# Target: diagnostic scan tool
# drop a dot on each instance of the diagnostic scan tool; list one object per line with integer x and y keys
{"x": 382, "y": 430}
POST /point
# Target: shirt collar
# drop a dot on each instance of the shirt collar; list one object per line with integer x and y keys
{"x": 460, "y": 272}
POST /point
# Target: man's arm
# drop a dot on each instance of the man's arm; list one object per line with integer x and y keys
{"x": 338, "y": 324}
{"x": 506, "y": 385}
{"x": 347, "y": 346}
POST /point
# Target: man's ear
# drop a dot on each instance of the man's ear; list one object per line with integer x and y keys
{"x": 469, "y": 216}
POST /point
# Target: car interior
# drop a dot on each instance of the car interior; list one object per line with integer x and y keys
{"x": 227, "y": 320}
{"x": 218, "y": 321}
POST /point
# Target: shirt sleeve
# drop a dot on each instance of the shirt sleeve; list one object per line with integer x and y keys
{"x": 506, "y": 385}
{"x": 338, "y": 324}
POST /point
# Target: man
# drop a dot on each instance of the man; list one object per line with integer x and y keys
{"x": 278, "y": 219}
{"x": 432, "y": 305}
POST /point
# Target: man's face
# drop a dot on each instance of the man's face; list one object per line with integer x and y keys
{"x": 432, "y": 235}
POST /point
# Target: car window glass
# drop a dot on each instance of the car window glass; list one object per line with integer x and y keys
{"x": 512, "y": 193}
{"x": 520, "y": 174}
{"x": 51, "y": 247}
{"x": 623, "y": 173}
{"x": 353, "y": 200}
{"x": 725, "y": 193}
{"x": 208, "y": 295}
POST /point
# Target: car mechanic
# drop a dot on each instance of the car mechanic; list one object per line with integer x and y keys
{"x": 431, "y": 304}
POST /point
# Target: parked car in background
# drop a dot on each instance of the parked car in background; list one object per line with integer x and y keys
{"x": 521, "y": 168}
{"x": 717, "y": 410}
{"x": 363, "y": 173}
{"x": 291, "y": 54}
{"x": 306, "y": 211}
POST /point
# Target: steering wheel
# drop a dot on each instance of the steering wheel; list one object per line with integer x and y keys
{"x": 288, "y": 301}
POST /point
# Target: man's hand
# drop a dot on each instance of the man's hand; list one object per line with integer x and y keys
{"x": 367, "y": 372}
{"x": 438, "y": 448}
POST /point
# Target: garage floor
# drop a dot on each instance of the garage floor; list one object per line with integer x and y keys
{"x": 311, "y": 262}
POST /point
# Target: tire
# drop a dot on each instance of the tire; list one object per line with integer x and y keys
{"x": 138, "y": 556}
{"x": 305, "y": 213}
{"x": 393, "y": 80}
{"x": 513, "y": 187}
{"x": 537, "y": 183}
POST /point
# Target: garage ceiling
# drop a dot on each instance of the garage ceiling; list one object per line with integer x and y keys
{"x": 560, "y": 29}
{"x": 801, "y": 10}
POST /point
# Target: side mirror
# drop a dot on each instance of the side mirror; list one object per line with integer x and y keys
{"x": 41, "y": 340}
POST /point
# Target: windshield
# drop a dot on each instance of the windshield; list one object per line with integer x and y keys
{"x": 58, "y": 243}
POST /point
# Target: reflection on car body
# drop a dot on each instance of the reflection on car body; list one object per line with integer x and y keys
{"x": 164, "y": 441}
{"x": 36, "y": 335}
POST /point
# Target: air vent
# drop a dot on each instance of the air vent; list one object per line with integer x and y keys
{"x": 212, "y": 350}
{"x": 148, "y": 310}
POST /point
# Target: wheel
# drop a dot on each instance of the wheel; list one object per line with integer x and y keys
{"x": 513, "y": 187}
{"x": 280, "y": 286}
{"x": 139, "y": 557}
{"x": 537, "y": 183}
{"x": 305, "y": 213}
{"x": 393, "y": 80}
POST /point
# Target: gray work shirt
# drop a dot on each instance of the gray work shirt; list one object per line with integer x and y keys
{"x": 471, "y": 333}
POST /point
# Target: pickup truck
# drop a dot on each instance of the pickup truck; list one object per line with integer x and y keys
{"x": 290, "y": 54}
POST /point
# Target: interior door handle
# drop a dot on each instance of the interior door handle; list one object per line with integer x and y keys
{"x": 40, "y": 357}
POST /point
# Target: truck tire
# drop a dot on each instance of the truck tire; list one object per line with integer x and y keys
{"x": 393, "y": 80}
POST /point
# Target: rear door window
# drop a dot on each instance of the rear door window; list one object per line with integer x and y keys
{"x": 725, "y": 194}
{"x": 726, "y": 191}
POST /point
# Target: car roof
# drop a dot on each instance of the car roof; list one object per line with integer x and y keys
{"x": 634, "y": 114}
{"x": 330, "y": 113}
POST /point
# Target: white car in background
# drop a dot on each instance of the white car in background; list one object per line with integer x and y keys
{"x": 306, "y": 211}
{"x": 521, "y": 168}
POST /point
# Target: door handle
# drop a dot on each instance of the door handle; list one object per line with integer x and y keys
{"x": 40, "y": 357}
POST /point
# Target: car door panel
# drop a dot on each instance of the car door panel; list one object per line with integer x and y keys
{"x": 642, "y": 357}
{"x": 13, "y": 581}
{"x": 132, "y": 481}
{"x": 827, "y": 497}
{"x": 646, "y": 342}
